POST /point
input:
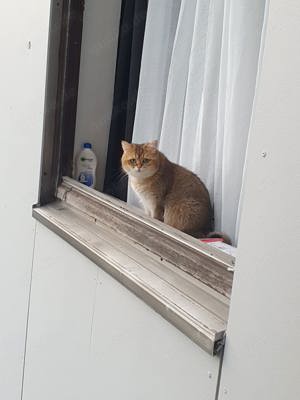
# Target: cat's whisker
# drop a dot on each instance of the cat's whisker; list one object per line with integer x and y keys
{"x": 118, "y": 176}
{"x": 122, "y": 178}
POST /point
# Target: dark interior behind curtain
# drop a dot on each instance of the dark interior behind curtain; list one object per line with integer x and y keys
{"x": 130, "y": 46}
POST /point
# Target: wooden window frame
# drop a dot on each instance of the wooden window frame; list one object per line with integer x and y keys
{"x": 186, "y": 281}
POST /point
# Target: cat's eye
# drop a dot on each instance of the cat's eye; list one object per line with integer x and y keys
{"x": 132, "y": 161}
{"x": 145, "y": 161}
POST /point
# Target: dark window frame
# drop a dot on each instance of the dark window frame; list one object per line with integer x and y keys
{"x": 63, "y": 66}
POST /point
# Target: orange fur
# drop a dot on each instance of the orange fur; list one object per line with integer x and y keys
{"x": 167, "y": 191}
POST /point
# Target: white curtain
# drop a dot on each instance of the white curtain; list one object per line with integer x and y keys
{"x": 196, "y": 91}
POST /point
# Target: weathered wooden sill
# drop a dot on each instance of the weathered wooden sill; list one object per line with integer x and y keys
{"x": 185, "y": 281}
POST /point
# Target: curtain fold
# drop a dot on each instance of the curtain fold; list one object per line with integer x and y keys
{"x": 196, "y": 90}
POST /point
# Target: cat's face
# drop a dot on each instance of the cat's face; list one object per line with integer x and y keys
{"x": 140, "y": 160}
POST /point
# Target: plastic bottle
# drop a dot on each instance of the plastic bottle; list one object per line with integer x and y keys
{"x": 86, "y": 166}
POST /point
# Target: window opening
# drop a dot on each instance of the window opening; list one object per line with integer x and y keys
{"x": 189, "y": 91}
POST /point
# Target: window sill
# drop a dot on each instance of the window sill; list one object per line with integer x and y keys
{"x": 196, "y": 309}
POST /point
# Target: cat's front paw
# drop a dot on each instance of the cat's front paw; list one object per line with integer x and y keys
{"x": 158, "y": 214}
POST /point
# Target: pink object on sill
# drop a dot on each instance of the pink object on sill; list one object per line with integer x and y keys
{"x": 211, "y": 240}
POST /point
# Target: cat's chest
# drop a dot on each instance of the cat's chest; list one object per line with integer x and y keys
{"x": 146, "y": 192}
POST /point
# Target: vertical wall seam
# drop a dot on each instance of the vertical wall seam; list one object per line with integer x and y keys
{"x": 93, "y": 311}
{"x": 28, "y": 309}
{"x": 220, "y": 372}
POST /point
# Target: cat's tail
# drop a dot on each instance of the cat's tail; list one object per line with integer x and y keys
{"x": 220, "y": 235}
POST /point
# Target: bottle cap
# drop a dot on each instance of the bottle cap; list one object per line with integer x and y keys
{"x": 87, "y": 146}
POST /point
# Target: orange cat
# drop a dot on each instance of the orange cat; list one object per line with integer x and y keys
{"x": 167, "y": 191}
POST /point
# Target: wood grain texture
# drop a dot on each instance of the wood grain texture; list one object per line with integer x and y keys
{"x": 191, "y": 306}
{"x": 209, "y": 265}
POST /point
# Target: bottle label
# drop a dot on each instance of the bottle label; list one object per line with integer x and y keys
{"x": 83, "y": 159}
{"x": 86, "y": 178}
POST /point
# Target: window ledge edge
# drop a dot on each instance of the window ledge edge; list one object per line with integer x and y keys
{"x": 202, "y": 319}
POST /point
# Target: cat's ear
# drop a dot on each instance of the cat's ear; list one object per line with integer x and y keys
{"x": 125, "y": 145}
{"x": 153, "y": 144}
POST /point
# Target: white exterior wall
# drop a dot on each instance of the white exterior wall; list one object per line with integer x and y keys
{"x": 262, "y": 351}
{"x": 22, "y": 83}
